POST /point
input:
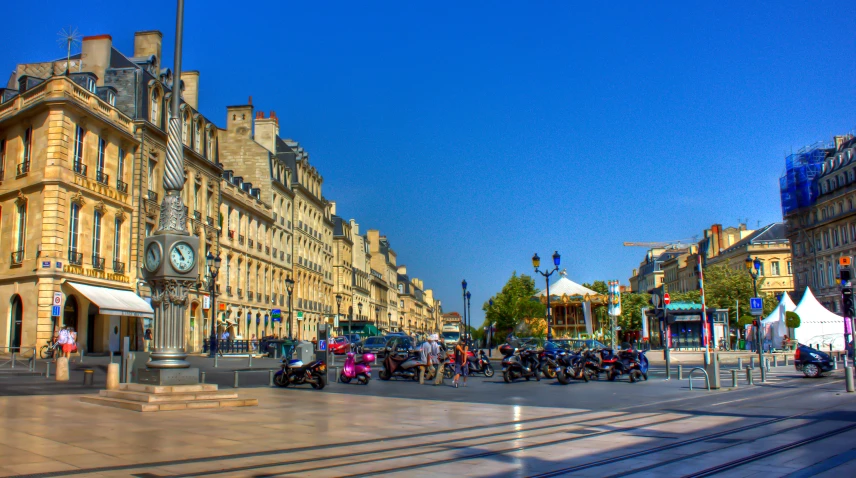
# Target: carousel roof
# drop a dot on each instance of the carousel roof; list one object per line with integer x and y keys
{"x": 565, "y": 287}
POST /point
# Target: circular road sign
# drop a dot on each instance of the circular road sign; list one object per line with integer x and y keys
{"x": 666, "y": 299}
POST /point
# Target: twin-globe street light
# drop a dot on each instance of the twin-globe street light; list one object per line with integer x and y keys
{"x": 213, "y": 269}
{"x": 536, "y": 263}
{"x": 756, "y": 265}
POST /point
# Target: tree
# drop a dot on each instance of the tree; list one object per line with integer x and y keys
{"x": 792, "y": 320}
{"x": 598, "y": 286}
{"x": 724, "y": 287}
{"x": 514, "y": 303}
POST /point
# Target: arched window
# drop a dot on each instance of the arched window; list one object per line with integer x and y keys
{"x": 209, "y": 150}
{"x": 155, "y": 108}
{"x": 186, "y": 129}
{"x": 197, "y": 137}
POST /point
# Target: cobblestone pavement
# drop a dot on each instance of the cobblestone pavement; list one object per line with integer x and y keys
{"x": 788, "y": 427}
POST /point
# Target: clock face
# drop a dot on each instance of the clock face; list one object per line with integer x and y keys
{"x": 182, "y": 257}
{"x": 153, "y": 256}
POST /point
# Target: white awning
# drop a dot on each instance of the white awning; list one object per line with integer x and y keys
{"x": 114, "y": 301}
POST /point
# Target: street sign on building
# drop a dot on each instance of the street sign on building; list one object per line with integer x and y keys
{"x": 299, "y": 315}
{"x": 57, "y": 299}
{"x": 276, "y": 315}
{"x": 55, "y": 312}
{"x": 756, "y": 304}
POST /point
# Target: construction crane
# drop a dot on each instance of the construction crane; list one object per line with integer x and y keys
{"x": 677, "y": 244}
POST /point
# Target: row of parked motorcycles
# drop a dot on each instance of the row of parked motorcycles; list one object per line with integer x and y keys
{"x": 406, "y": 365}
{"x": 566, "y": 365}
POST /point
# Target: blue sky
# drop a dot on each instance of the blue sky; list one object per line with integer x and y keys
{"x": 474, "y": 135}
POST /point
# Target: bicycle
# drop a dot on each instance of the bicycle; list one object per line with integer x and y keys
{"x": 50, "y": 350}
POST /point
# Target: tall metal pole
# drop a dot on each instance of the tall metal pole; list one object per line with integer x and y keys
{"x": 469, "y": 312}
{"x": 758, "y": 332}
{"x": 549, "y": 310}
{"x": 212, "y": 344}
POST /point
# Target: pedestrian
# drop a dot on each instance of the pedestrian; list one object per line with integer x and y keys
{"x": 461, "y": 365}
{"x": 439, "y": 358}
{"x": 148, "y": 338}
{"x": 65, "y": 342}
{"x": 425, "y": 357}
{"x": 253, "y": 343}
{"x": 225, "y": 339}
{"x": 72, "y": 334}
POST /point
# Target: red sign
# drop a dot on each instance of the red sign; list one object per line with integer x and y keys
{"x": 666, "y": 298}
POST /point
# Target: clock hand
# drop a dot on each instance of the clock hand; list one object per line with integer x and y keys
{"x": 182, "y": 255}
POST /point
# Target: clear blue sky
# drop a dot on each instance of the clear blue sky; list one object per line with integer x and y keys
{"x": 474, "y": 135}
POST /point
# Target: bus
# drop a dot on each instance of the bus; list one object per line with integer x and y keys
{"x": 451, "y": 333}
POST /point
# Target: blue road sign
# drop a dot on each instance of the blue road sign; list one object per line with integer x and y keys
{"x": 55, "y": 311}
{"x": 756, "y": 303}
{"x": 322, "y": 345}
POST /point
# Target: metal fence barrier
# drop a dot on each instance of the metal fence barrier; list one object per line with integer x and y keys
{"x": 18, "y": 357}
{"x": 706, "y": 377}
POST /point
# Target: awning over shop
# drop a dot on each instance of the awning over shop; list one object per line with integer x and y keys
{"x": 364, "y": 329}
{"x": 114, "y": 301}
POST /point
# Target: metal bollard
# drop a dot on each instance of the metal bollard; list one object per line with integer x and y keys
{"x": 834, "y": 363}
{"x": 250, "y": 364}
{"x": 733, "y": 378}
{"x": 845, "y": 361}
{"x": 13, "y": 359}
{"x": 749, "y": 376}
{"x": 48, "y": 370}
{"x": 775, "y": 360}
{"x": 767, "y": 364}
{"x": 740, "y": 363}
{"x": 763, "y": 375}
{"x": 668, "y": 356}
{"x": 216, "y": 356}
{"x": 87, "y": 377}
{"x": 848, "y": 379}
{"x": 201, "y": 377}
{"x": 235, "y": 385}
{"x": 270, "y": 378}
{"x": 752, "y": 362}
{"x": 680, "y": 372}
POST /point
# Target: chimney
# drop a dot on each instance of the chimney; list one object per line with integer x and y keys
{"x": 332, "y": 208}
{"x": 239, "y": 120}
{"x": 267, "y": 129}
{"x": 402, "y": 269}
{"x": 191, "y": 88}
{"x": 148, "y": 43}
{"x": 95, "y": 55}
{"x": 355, "y": 227}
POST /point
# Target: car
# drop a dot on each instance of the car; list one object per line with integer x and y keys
{"x": 340, "y": 345}
{"x": 375, "y": 345}
{"x": 576, "y": 344}
{"x": 401, "y": 343}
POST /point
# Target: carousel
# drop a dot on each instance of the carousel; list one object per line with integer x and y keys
{"x": 577, "y": 311}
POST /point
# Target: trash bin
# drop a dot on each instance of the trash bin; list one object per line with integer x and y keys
{"x": 741, "y": 344}
{"x": 286, "y": 349}
{"x": 305, "y": 352}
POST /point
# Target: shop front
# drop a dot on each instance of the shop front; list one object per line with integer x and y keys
{"x": 684, "y": 328}
{"x": 104, "y": 316}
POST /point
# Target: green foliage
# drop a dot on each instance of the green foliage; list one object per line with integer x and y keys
{"x": 598, "y": 286}
{"x": 792, "y": 320}
{"x": 725, "y": 286}
{"x": 631, "y": 310}
{"x": 513, "y": 304}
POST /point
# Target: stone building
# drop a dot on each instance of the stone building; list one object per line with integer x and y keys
{"x": 361, "y": 265}
{"x": 257, "y": 231}
{"x": 415, "y": 314}
{"x": 823, "y": 228}
{"x": 67, "y": 162}
{"x": 383, "y": 261}
{"x": 343, "y": 271}
{"x": 771, "y": 247}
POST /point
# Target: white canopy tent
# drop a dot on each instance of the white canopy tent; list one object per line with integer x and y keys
{"x": 817, "y": 324}
{"x": 774, "y": 324}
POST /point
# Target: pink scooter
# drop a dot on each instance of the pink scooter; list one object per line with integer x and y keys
{"x": 357, "y": 368}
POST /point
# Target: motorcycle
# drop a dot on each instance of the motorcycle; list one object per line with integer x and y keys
{"x": 571, "y": 365}
{"x": 549, "y": 361}
{"x": 404, "y": 365}
{"x": 295, "y": 372}
{"x": 632, "y": 363}
{"x": 812, "y": 362}
{"x": 357, "y": 368}
{"x": 521, "y": 364}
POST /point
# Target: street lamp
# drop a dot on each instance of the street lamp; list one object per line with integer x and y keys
{"x": 376, "y": 315}
{"x": 389, "y": 320}
{"x": 289, "y": 285}
{"x": 469, "y": 316}
{"x": 754, "y": 269}
{"x": 490, "y": 325}
{"x": 536, "y": 263}
{"x": 213, "y": 269}
{"x": 360, "y": 315}
{"x": 464, "y": 287}
{"x": 338, "y": 306}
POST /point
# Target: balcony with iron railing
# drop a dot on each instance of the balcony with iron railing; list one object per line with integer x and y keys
{"x": 74, "y": 257}
{"x": 80, "y": 168}
{"x": 122, "y": 186}
{"x": 102, "y": 177}
{"x": 23, "y": 168}
{"x": 197, "y": 215}
{"x": 210, "y": 221}
{"x": 97, "y": 262}
{"x": 118, "y": 267}
{"x": 153, "y": 196}
{"x": 18, "y": 257}
{"x": 240, "y": 239}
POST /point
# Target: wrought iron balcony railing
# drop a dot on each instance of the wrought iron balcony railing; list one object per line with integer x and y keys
{"x": 74, "y": 257}
{"x": 23, "y": 168}
{"x": 153, "y": 196}
{"x": 118, "y": 267}
{"x": 97, "y": 262}
{"x": 121, "y": 186}
{"x": 250, "y": 242}
{"x": 210, "y": 221}
{"x": 80, "y": 168}
{"x": 229, "y": 289}
{"x": 102, "y": 177}
{"x": 197, "y": 215}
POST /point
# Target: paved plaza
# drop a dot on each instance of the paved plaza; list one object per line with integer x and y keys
{"x": 788, "y": 427}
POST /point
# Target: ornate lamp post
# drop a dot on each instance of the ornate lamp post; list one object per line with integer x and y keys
{"x": 289, "y": 286}
{"x": 170, "y": 264}
{"x": 469, "y": 316}
{"x": 338, "y": 306}
{"x": 536, "y": 263}
{"x": 213, "y": 270}
{"x": 359, "y": 315}
{"x": 754, "y": 268}
{"x": 464, "y": 321}
{"x": 376, "y": 315}
{"x": 389, "y": 320}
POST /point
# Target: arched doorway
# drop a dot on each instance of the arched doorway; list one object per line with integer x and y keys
{"x": 69, "y": 312}
{"x": 16, "y": 322}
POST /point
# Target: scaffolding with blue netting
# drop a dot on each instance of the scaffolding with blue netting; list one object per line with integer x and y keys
{"x": 798, "y": 185}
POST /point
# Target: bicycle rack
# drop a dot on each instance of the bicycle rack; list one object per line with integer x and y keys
{"x": 706, "y": 377}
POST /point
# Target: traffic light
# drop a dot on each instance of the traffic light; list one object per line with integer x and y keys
{"x": 754, "y": 323}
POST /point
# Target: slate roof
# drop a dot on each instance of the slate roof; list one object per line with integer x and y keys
{"x": 770, "y": 233}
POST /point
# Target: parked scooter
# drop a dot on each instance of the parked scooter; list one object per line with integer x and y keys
{"x": 480, "y": 364}
{"x": 812, "y": 362}
{"x": 571, "y": 365}
{"x": 632, "y": 363}
{"x": 549, "y": 361}
{"x": 521, "y": 364}
{"x": 360, "y": 369}
{"x": 295, "y": 372}
{"x": 404, "y": 365}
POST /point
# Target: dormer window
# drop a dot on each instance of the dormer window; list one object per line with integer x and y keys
{"x": 90, "y": 84}
{"x": 209, "y": 149}
{"x": 186, "y": 128}
{"x": 197, "y": 137}
{"x": 155, "y": 108}
{"x": 111, "y": 98}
